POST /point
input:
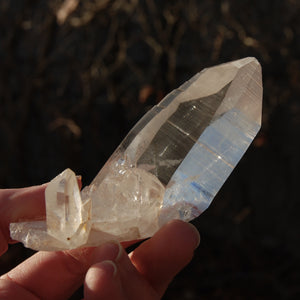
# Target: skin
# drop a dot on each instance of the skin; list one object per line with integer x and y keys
{"x": 107, "y": 272}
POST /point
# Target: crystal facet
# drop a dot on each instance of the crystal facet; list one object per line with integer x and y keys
{"x": 170, "y": 165}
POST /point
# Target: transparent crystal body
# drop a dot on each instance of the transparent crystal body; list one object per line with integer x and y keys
{"x": 170, "y": 165}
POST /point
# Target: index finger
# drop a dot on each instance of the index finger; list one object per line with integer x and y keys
{"x": 21, "y": 204}
{"x": 17, "y": 204}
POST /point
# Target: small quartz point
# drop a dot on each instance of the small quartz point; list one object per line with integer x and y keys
{"x": 170, "y": 166}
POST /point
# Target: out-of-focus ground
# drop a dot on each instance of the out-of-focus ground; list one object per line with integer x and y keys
{"x": 76, "y": 75}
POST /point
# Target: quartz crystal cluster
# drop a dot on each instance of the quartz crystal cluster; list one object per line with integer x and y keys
{"x": 170, "y": 165}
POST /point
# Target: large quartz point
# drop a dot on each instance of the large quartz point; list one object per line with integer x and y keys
{"x": 170, "y": 165}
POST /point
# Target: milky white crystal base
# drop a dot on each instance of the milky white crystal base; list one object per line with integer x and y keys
{"x": 170, "y": 166}
{"x": 72, "y": 223}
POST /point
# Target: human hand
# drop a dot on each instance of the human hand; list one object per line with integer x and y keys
{"x": 106, "y": 271}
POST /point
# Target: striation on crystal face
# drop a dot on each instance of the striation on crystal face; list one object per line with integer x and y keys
{"x": 170, "y": 165}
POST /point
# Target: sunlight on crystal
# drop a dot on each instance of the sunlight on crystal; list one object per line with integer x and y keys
{"x": 170, "y": 166}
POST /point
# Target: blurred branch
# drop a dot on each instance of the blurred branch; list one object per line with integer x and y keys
{"x": 67, "y": 7}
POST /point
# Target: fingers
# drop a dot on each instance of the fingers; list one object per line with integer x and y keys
{"x": 117, "y": 280}
{"x": 103, "y": 282}
{"x": 56, "y": 275}
{"x": 151, "y": 268}
{"x": 18, "y": 204}
{"x": 25, "y": 203}
{"x": 21, "y": 204}
{"x": 160, "y": 258}
{"x": 10, "y": 290}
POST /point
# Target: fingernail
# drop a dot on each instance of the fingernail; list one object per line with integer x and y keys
{"x": 78, "y": 177}
{"x": 109, "y": 267}
{"x": 109, "y": 251}
{"x": 197, "y": 235}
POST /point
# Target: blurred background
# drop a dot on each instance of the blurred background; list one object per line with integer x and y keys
{"x": 76, "y": 75}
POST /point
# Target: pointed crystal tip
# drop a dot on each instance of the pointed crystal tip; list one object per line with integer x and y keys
{"x": 170, "y": 166}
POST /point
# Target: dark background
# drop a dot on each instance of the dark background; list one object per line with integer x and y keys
{"x": 70, "y": 90}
